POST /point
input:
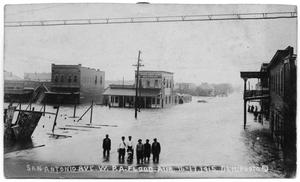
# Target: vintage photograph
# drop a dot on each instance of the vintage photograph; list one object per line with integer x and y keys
{"x": 109, "y": 90}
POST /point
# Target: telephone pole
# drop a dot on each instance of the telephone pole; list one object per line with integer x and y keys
{"x": 137, "y": 83}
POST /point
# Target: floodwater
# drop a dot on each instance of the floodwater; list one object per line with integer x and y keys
{"x": 190, "y": 134}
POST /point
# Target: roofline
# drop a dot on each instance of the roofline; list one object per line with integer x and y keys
{"x": 289, "y": 51}
{"x": 78, "y": 65}
{"x": 156, "y": 71}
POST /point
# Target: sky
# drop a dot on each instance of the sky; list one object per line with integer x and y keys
{"x": 196, "y": 52}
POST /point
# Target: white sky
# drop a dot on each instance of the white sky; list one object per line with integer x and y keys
{"x": 196, "y": 52}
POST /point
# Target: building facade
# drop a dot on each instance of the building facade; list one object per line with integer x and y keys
{"x": 155, "y": 90}
{"x": 282, "y": 86}
{"x": 75, "y": 84}
{"x": 277, "y": 94}
{"x": 161, "y": 80}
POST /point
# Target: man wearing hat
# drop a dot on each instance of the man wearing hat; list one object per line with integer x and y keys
{"x": 106, "y": 146}
{"x": 155, "y": 150}
{"x": 147, "y": 151}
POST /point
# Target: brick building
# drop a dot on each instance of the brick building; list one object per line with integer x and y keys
{"x": 75, "y": 84}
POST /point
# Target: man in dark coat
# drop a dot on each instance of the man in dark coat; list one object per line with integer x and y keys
{"x": 147, "y": 151}
{"x": 155, "y": 150}
{"x": 106, "y": 146}
{"x": 139, "y": 152}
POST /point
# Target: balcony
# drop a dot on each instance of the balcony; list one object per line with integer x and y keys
{"x": 256, "y": 94}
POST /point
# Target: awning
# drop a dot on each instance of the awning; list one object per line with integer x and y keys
{"x": 131, "y": 92}
{"x": 62, "y": 93}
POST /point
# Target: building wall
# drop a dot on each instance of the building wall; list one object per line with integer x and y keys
{"x": 168, "y": 88}
{"x": 65, "y": 78}
{"x": 162, "y": 80}
{"x": 283, "y": 101}
{"x": 92, "y": 84}
{"x": 75, "y": 78}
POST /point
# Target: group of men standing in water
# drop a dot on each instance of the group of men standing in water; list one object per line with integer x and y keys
{"x": 143, "y": 151}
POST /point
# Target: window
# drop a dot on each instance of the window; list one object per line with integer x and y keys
{"x": 275, "y": 83}
{"x": 156, "y": 83}
{"x": 100, "y": 80}
{"x": 70, "y": 79}
{"x": 153, "y": 100}
{"x": 56, "y": 78}
{"x": 282, "y": 82}
{"x": 278, "y": 75}
{"x": 148, "y": 83}
{"x": 95, "y": 80}
{"x": 62, "y": 78}
{"x": 75, "y": 78}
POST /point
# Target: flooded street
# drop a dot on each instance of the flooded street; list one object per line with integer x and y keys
{"x": 196, "y": 134}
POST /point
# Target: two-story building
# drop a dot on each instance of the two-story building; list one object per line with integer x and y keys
{"x": 75, "y": 84}
{"x": 277, "y": 94}
{"x": 282, "y": 82}
{"x": 155, "y": 90}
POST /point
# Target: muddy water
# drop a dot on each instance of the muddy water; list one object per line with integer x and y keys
{"x": 190, "y": 134}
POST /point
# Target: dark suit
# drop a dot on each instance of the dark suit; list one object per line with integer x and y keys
{"x": 155, "y": 151}
{"x": 139, "y": 153}
{"x": 147, "y": 151}
{"x": 106, "y": 147}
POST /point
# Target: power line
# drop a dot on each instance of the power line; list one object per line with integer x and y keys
{"x": 154, "y": 19}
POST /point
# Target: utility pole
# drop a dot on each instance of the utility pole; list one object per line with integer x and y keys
{"x": 137, "y": 83}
